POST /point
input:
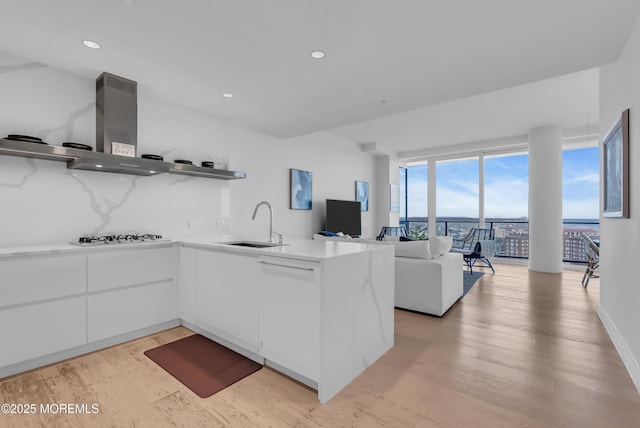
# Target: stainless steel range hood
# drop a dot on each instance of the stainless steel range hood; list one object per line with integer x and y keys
{"x": 121, "y": 164}
{"x": 116, "y": 122}
{"x": 116, "y": 112}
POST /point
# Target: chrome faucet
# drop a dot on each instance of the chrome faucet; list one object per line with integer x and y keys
{"x": 271, "y": 231}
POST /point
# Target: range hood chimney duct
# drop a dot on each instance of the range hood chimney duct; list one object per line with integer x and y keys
{"x": 116, "y": 112}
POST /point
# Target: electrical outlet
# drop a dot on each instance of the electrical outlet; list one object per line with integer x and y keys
{"x": 221, "y": 223}
{"x": 194, "y": 224}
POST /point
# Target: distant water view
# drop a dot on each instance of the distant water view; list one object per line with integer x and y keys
{"x": 568, "y": 222}
{"x": 577, "y": 222}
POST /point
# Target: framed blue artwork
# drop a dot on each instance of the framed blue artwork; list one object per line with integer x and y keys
{"x": 615, "y": 150}
{"x": 301, "y": 183}
{"x": 362, "y": 195}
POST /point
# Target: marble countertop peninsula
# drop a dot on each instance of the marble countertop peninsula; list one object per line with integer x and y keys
{"x": 304, "y": 249}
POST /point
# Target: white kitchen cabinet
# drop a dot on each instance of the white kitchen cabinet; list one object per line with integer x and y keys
{"x": 130, "y": 290}
{"x": 321, "y": 312}
{"x": 35, "y": 330}
{"x": 227, "y": 302}
{"x": 42, "y": 306}
{"x": 188, "y": 284}
{"x": 129, "y": 309}
{"x": 36, "y": 278}
{"x": 290, "y": 314}
{"x": 121, "y": 268}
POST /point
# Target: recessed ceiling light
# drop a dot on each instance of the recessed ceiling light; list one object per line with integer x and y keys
{"x": 98, "y": 166}
{"x": 227, "y": 95}
{"x": 91, "y": 44}
{"x": 317, "y": 54}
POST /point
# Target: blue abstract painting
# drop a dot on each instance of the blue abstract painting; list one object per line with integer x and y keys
{"x": 301, "y": 182}
{"x": 362, "y": 195}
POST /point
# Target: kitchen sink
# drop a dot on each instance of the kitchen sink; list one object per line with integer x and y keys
{"x": 252, "y": 244}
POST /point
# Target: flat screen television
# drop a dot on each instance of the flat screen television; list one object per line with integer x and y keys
{"x": 344, "y": 216}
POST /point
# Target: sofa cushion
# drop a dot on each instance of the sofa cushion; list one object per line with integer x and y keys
{"x": 440, "y": 245}
{"x": 413, "y": 249}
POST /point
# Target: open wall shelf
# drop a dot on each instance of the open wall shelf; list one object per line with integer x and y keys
{"x": 104, "y": 162}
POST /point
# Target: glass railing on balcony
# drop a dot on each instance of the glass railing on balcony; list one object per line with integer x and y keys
{"x": 511, "y": 236}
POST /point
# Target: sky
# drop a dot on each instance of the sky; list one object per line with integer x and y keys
{"x": 506, "y": 186}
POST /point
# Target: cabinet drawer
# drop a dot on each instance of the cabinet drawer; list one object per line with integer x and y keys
{"x": 33, "y": 331}
{"x": 122, "y": 311}
{"x": 39, "y": 278}
{"x": 129, "y": 267}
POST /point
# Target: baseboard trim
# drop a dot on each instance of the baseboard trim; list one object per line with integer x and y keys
{"x": 252, "y": 355}
{"x": 293, "y": 375}
{"x": 239, "y": 349}
{"x": 621, "y": 346}
{"x": 84, "y": 349}
{"x": 66, "y": 354}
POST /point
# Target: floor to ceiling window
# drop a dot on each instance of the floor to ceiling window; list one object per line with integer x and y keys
{"x": 580, "y": 200}
{"x": 504, "y": 205}
{"x": 457, "y": 196}
{"x": 414, "y": 191}
{"x": 506, "y": 202}
{"x": 402, "y": 181}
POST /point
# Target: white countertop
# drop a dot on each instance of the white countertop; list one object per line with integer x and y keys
{"x": 67, "y": 248}
{"x": 304, "y": 249}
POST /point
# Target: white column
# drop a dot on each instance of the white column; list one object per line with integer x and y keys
{"x": 394, "y": 178}
{"x": 545, "y": 199}
{"x": 381, "y": 203}
{"x": 387, "y": 170}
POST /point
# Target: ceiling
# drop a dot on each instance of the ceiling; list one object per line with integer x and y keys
{"x": 495, "y": 119}
{"x": 389, "y": 65}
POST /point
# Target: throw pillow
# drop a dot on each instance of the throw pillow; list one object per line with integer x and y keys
{"x": 413, "y": 249}
{"x": 440, "y": 245}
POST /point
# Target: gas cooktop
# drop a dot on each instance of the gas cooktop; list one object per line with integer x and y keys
{"x": 127, "y": 238}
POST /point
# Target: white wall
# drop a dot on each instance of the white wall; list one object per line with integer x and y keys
{"x": 43, "y": 202}
{"x": 620, "y": 245}
{"x": 335, "y": 163}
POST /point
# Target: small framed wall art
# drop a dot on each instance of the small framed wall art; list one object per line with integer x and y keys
{"x": 300, "y": 186}
{"x": 362, "y": 195}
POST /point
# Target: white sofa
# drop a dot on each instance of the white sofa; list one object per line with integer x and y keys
{"x": 430, "y": 286}
{"x": 423, "y": 283}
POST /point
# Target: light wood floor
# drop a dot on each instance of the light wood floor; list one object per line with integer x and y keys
{"x": 521, "y": 349}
